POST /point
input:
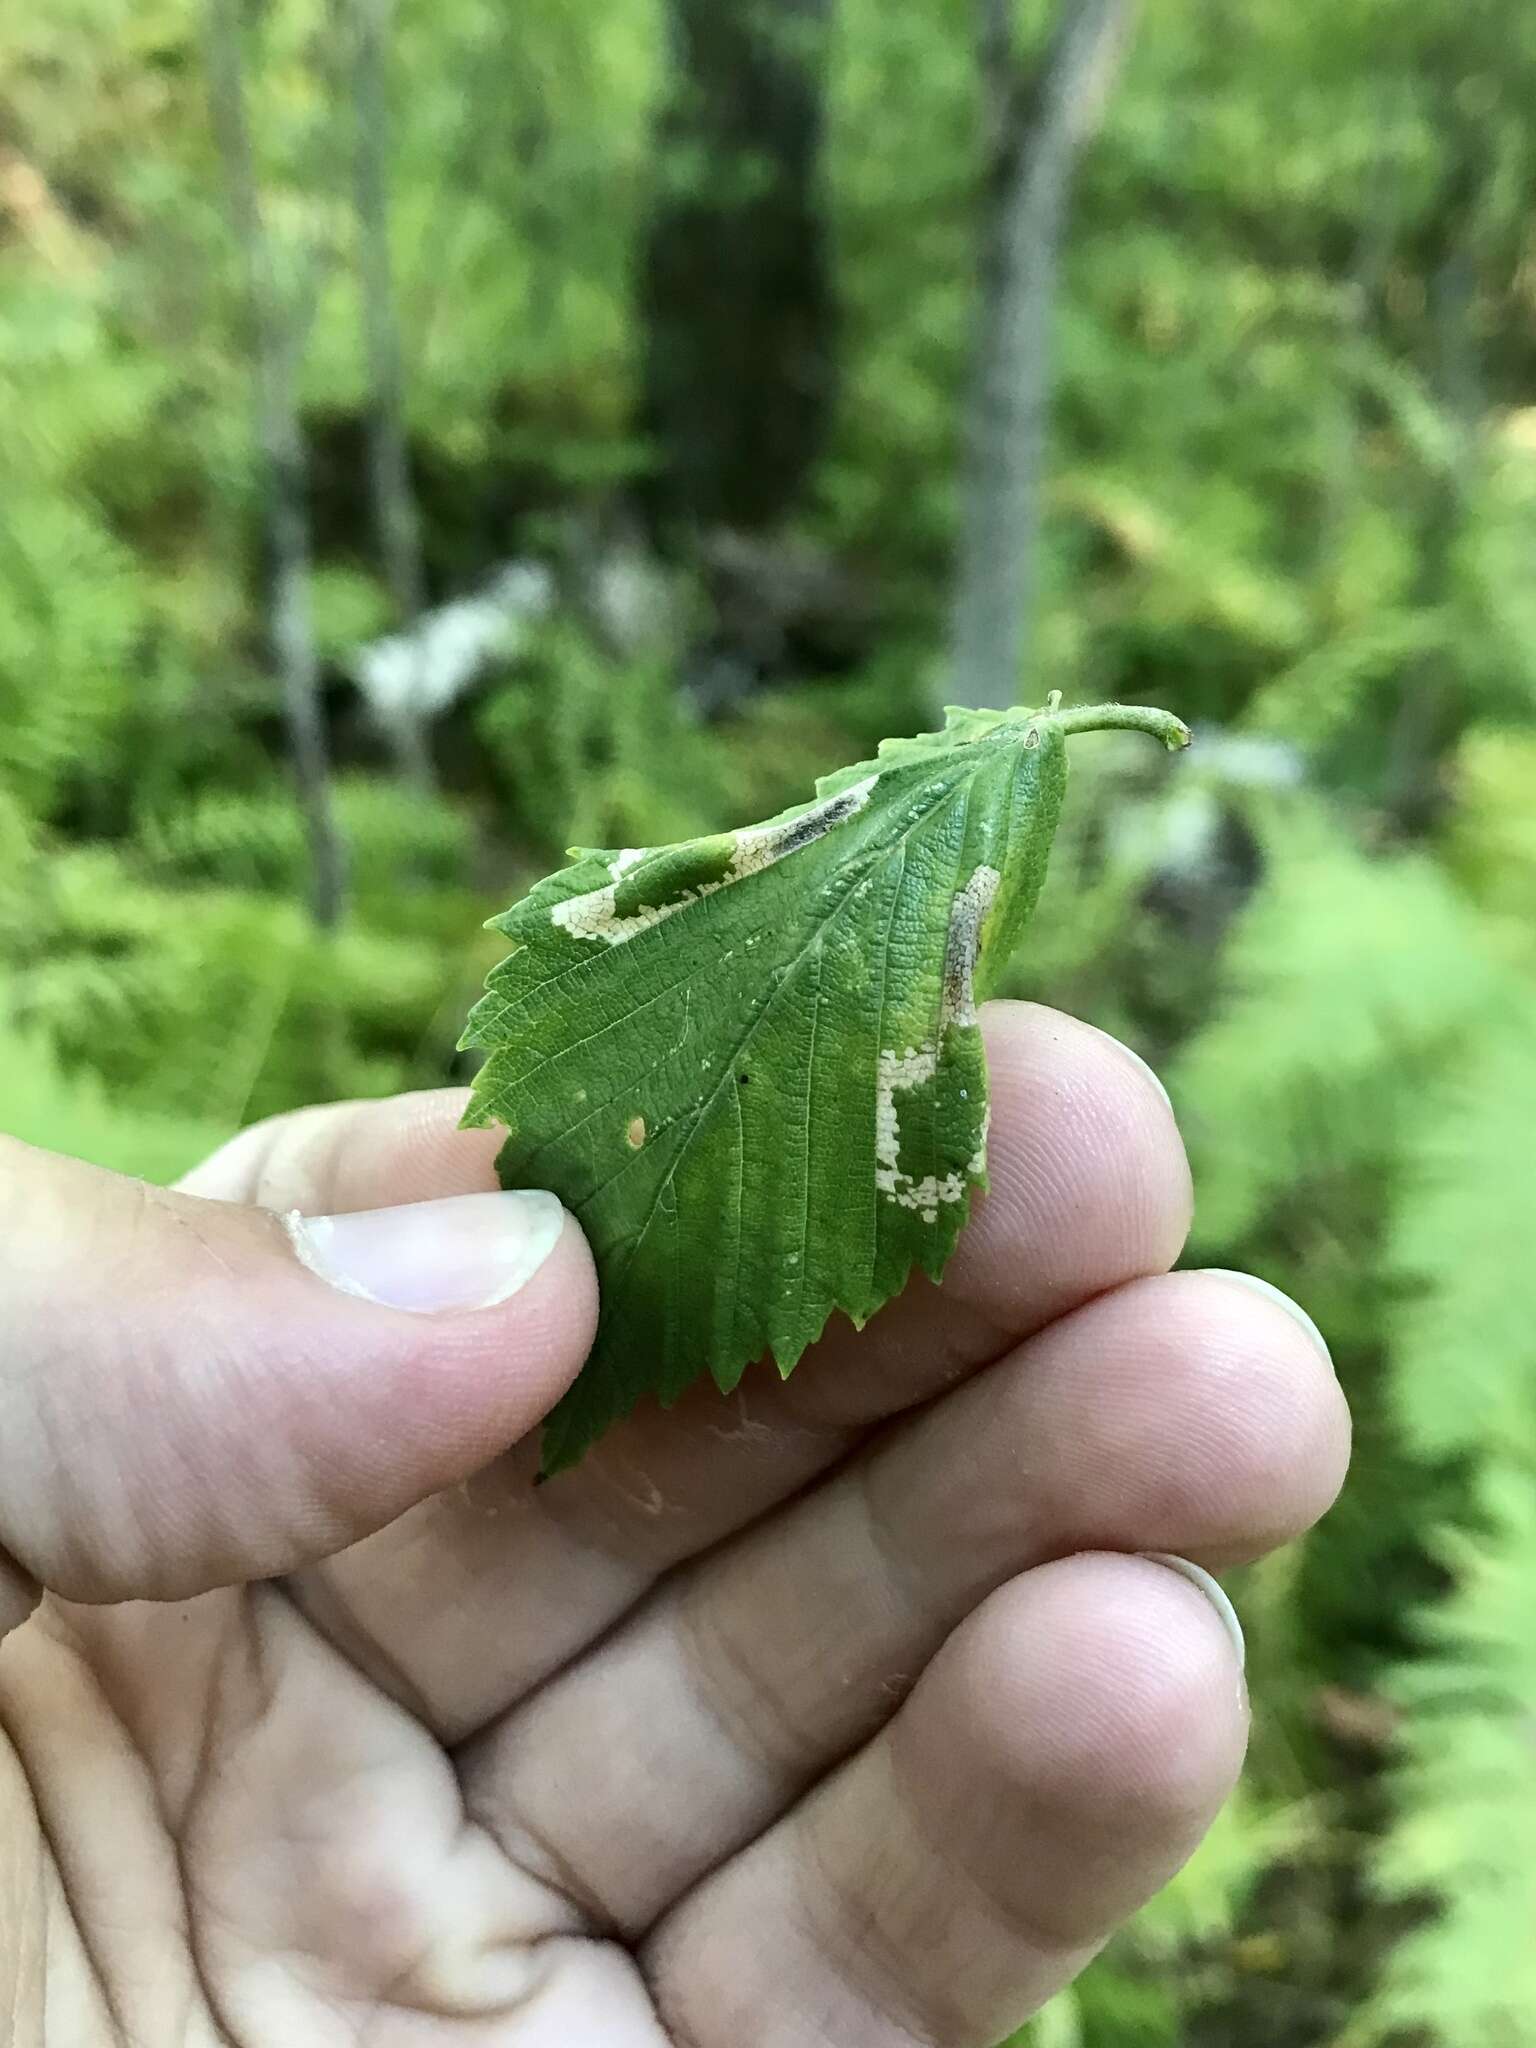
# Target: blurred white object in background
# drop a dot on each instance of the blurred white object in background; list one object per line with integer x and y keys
{"x": 416, "y": 675}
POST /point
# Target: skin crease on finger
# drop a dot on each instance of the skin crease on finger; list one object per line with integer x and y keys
{"x": 291, "y": 1864}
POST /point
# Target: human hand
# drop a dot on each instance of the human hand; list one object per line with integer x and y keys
{"x": 842, "y": 1714}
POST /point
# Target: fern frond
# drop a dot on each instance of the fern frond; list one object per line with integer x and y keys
{"x": 71, "y": 611}
{"x": 1490, "y": 844}
{"x": 396, "y": 839}
{"x": 73, "y": 1113}
{"x": 1330, "y": 685}
{"x": 1465, "y": 1796}
{"x": 1464, "y": 1336}
{"x": 1350, "y": 980}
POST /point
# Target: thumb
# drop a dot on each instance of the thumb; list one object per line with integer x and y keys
{"x": 197, "y": 1392}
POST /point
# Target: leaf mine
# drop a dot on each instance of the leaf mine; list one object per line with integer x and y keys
{"x": 752, "y": 1065}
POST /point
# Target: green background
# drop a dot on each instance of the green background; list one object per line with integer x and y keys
{"x": 1289, "y": 491}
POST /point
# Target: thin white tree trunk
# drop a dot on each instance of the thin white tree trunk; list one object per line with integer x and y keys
{"x": 274, "y": 346}
{"x": 1032, "y": 142}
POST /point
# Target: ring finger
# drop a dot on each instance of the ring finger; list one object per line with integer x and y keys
{"x": 1185, "y": 1413}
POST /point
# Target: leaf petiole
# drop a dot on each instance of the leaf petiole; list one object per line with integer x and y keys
{"x": 1161, "y": 725}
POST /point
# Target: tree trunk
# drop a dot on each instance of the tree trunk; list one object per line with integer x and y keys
{"x": 1032, "y": 139}
{"x": 274, "y": 346}
{"x": 736, "y": 289}
{"x": 395, "y": 519}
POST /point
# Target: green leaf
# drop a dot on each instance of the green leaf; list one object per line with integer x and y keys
{"x": 750, "y": 1064}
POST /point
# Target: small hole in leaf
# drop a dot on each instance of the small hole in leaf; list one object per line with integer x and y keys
{"x": 636, "y": 1132}
{"x": 743, "y": 1079}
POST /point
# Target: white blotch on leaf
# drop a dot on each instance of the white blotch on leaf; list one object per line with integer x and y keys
{"x": 759, "y": 846}
{"x": 901, "y": 1073}
{"x": 906, "y": 1071}
{"x": 976, "y": 1165}
{"x": 966, "y": 917}
{"x": 595, "y": 915}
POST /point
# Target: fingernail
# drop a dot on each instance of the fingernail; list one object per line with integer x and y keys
{"x": 1198, "y": 1576}
{"x": 467, "y": 1251}
{"x": 1292, "y": 1308}
{"x": 1136, "y": 1060}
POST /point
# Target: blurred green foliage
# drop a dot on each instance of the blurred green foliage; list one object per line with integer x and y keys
{"x": 1292, "y": 495}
